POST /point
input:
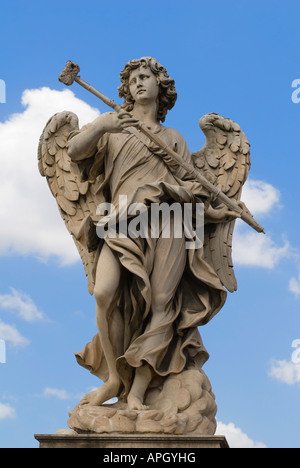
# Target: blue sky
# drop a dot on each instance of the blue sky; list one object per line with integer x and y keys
{"x": 236, "y": 58}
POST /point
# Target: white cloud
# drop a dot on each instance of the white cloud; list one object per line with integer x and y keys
{"x": 256, "y": 249}
{"x": 25, "y": 308}
{"x": 7, "y": 412}
{"x": 10, "y": 334}
{"x": 236, "y": 438}
{"x": 286, "y": 371}
{"x": 22, "y": 304}
{"x": 260, "y": 197}
{"x": 30, "y": 221}
{"x": 253, "y": 249}
{"x": 61, "y": 394}
{"x": 294, "y": 285}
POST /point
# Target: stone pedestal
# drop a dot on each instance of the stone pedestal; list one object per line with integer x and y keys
{"x": 131, "y": 441}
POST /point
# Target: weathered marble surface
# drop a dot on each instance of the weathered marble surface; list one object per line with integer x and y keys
{"x": 151, "y": 293}
{"x": 184, "y": 405}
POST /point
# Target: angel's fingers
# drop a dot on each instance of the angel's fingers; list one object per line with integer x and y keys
{"x": 234, "y": 214}
{"x": 130, "y": 123}
{"x": 245, "y": 209}
{"x": 242, "y": 205}
{"x": 128, "y": 119}
{"x": 123, "y": 114}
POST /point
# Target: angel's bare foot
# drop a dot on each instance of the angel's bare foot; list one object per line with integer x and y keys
{"x": 108, "y": 390}
{"x": 140, "y": 384}
{"x": 134, "y": 403}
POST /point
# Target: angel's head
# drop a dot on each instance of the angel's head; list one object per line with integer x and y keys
{"x": 167, "y": 94}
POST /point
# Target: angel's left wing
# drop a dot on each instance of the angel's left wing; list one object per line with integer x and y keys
{"x": 76, "y": 199}
{"x": 225, "y": 161}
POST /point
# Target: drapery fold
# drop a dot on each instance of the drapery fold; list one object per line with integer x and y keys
{"x": 173, "y": 343}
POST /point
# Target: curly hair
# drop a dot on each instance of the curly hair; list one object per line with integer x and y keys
{"x": 167, "y": 91}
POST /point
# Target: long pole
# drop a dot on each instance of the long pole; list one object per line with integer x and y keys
{"x": 190, "y": 169}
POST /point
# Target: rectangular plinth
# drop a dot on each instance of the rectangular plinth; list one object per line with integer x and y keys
{"x": 125, "y": 441}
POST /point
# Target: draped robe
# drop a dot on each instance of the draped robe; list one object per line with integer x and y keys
{"x": 130, "y": 164}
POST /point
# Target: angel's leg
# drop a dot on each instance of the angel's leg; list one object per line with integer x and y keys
{"x": 106, "y": 285}
{"x": 169, "y": 264}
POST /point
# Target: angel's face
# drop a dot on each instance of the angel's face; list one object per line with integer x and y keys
{"x": 143, "y": 85}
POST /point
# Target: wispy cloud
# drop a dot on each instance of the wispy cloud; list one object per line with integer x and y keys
{"x": 21, "y": 304}
{"x": 294, "y": 285}
{"x": 287, "y": 372}
{"x": 10, "y": 334}
{"x": 61, "y": 394}
{"x": 236, "y": 438}
{"x": 7, "y": 411}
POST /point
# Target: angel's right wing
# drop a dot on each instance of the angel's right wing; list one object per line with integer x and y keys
{"x": 225, "y": 162}
{"x": 76, "y": 199}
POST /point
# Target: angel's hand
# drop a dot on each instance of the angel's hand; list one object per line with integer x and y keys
{"x": 82, "y": 145}
{"x": 220, "y": 214}
{"x": 117, "y": 122}
{"x": 244, "y": 208}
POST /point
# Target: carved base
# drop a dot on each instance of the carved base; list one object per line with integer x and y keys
{"x": 117, "y": 441}
{"x": 184, "y": 404}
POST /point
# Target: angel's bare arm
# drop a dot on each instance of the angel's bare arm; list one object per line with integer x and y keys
{"x": 82, "y": 145}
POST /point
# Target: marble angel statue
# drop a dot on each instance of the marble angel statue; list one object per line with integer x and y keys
{"x": 151, "y": 293}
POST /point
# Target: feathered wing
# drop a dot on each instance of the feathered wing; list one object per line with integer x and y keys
{"x": 225, "y": 161}
{"x": 76, "y": 199}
